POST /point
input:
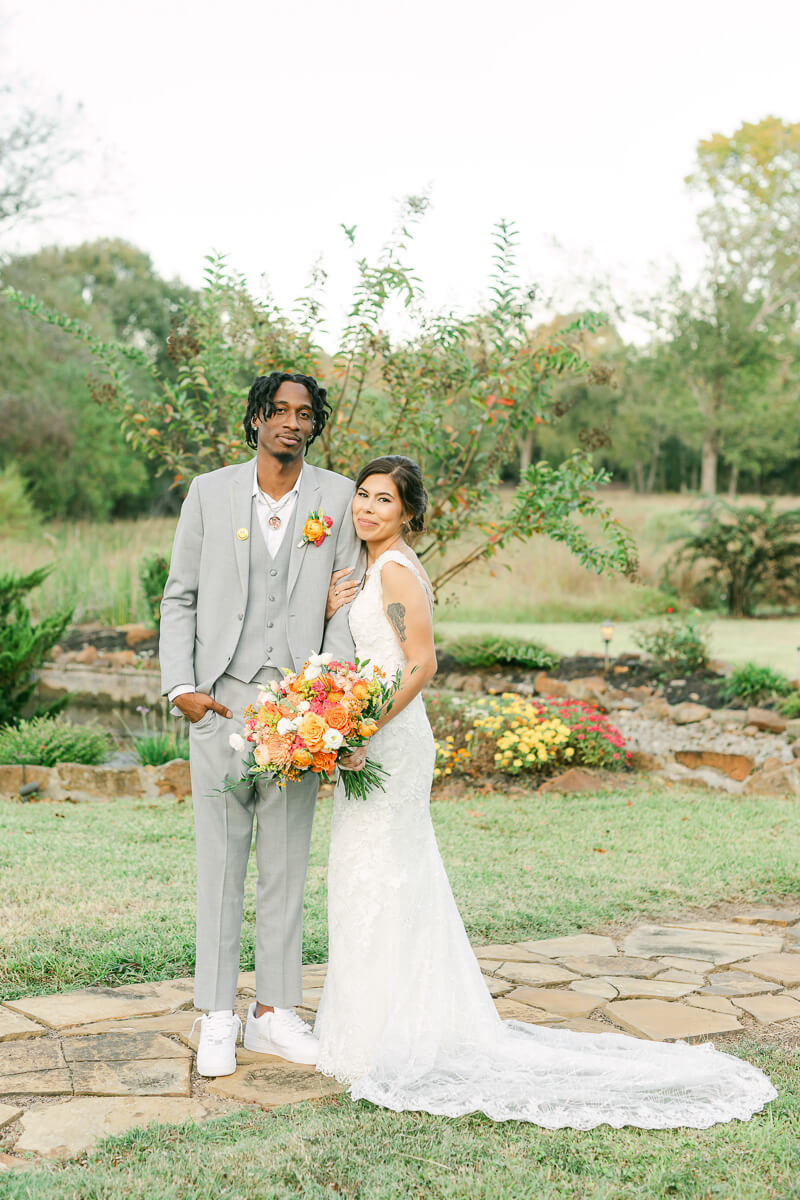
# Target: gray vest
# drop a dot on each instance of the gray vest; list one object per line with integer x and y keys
{"x": 263, "y": 640}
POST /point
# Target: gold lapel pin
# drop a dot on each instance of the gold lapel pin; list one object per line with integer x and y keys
{"x": 242, "y": 534}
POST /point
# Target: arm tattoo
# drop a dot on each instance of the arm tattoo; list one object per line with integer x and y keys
{"x": 397, "y": 615}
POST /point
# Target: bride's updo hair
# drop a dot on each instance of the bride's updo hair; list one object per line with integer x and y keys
{"x": 408, "y": 481}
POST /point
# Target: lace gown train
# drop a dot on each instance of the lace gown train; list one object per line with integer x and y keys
{"x": 406, "y": 1018}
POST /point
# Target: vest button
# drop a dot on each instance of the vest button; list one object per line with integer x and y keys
{"x": 271, "y": 598}
{"x": 269, "y": 649}
{"x": 273, "y": 572}
{"x": 270, "y": 624}
{"x": 240, "y": 616}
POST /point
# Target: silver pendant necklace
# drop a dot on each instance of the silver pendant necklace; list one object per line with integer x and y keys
{"x": 274, "y": 521}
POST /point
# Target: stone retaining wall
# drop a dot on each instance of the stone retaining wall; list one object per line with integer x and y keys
{"x": 73, "y": 781}
{"x": 101, "y": 687}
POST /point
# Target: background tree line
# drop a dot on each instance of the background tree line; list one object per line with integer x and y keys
{"x": 709, "y": 402}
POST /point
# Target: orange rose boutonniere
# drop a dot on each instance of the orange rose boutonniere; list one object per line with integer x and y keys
{"x": 316, "y": 528}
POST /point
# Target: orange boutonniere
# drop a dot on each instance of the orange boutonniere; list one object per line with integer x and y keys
{"x": 316, "y": 528}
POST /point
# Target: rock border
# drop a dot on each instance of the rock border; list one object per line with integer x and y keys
{"x": 68, "y": 782}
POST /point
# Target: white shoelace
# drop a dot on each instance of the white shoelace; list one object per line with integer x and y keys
{"x": 290, "y": 1018}
{"x": 219, "y": 1026}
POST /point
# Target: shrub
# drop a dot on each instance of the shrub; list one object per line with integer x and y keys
{"x": 24, "y": 646}
{"x": 487, "y": 650}
{"x": 17, "y": 514}
{"x": 754, "y": 683}
{"x": 751, "y": 553}
{"x": 157, "y": 746}
{"x": 596, "y": 742}
{"x": 525, "y": 735}
{"x": 154, "y": 749}
{"x": 46, "y": 741}
{"x": 791, "y": 706}
{"x": 679, "y": 646}
{"x": 153, "y": 572}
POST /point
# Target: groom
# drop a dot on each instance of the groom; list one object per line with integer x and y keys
{"x": 246, "y": 597}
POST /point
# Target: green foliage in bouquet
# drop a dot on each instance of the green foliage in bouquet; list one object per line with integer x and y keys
{"x": 153, "y": 573}
{"x": 47, "y": 741}
{"x": 753, "y": 683}
{"x": 489, "y": 650}
{"x": 24, "y": 646}
{"x": 452, "y": 392}
{"x": 679, "y": 646}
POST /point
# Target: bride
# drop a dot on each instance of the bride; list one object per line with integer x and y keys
{"x": 406, "y": 1019}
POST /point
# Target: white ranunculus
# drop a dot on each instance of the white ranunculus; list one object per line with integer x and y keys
{"x": 313, "y": 672}
{"x": 236, "y": 741}
{"x": 332, "y": 739}
{"x": 324, "y": 659}
{"x": 315, "y": 659}
{"x": 303, "y": 706}
{"x": 285, "y": 726}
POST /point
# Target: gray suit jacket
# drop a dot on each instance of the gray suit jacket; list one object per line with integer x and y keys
{"x": 206, "y": 592}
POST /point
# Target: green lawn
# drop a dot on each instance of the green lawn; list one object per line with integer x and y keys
{"x": 104, "y": 892}
{"x": 355, "y": 1151}
{"x": 772, "y": 643}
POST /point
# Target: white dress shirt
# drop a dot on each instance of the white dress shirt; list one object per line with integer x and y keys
{"x": 284, "y": 508}
{"x": 272, "y": 539}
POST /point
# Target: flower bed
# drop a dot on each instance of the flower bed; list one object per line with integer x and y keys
{"x": 516, "y": 735}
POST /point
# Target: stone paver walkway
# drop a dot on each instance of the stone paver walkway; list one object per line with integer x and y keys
{"x": 78, "y": 1066}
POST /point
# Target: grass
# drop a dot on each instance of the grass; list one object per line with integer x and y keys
{"x": 359, "y": 1152}
{"x": 772, "y": 643}
{"x": 97, "y": 565}
{"x": 521, "y": 865}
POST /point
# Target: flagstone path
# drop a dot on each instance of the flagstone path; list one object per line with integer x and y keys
{"x": 77, "y": 1066}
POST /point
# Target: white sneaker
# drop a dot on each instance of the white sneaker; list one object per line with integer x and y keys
{"x": 281, "y": 1032}
{"x": 216, "y": 1052}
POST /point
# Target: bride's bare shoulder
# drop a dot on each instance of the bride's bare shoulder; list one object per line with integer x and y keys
{"x": 414, "y": 560}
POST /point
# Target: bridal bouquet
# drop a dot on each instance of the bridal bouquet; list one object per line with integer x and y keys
{"x": 310, "y": 719}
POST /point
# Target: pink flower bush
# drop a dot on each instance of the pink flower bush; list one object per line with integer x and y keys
{"x": 597, "y": 742}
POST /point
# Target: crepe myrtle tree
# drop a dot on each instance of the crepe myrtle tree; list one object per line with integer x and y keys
{"x": 453, "y": 392}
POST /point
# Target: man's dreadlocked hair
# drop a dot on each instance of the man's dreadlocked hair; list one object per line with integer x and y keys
{"x": 261, "y": 402}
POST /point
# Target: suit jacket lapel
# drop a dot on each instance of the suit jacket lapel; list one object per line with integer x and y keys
{"x": 241, "y": 512}
{"x": 308, "y": 498}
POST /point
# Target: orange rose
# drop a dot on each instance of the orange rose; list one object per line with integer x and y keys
{"x": 313, "y": 529}
{"x": 338, "y": 717}
{"x": 324, "y": 760}
{"x": 302, "y": 758}
{"x": 312, "y": 729}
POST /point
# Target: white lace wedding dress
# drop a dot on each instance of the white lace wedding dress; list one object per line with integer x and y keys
{"x": 406, "y": 1018}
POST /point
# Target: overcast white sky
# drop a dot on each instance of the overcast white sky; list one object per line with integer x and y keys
{"x": 256, "y": 128}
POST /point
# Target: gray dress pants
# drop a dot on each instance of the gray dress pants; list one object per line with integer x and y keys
{"x": 224, "y": 833}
